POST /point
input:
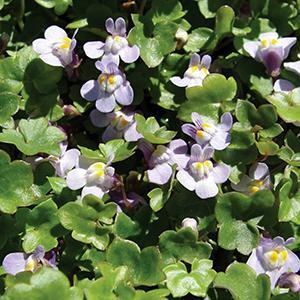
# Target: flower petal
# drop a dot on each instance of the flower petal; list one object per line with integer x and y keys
{"x": 93, "y": 49}
{"x": 195, "y": 60}
{"x": 272, "y": 59}
{"x": 181, "y": 82}
{"x": 196, "y": 118}
{"x": 146, "y": 148}
{"x": 206, "y": 61}
{"x": 68, "y": 161}
{"x": 124, "y": 94}
{"x": 243, "y": 185}
{"x": 252, "y": 48}
{"x": 160, "y": 174}
{"x": 220, "y": 140}
{"x": 99, "y": 119}
{"x": 92, "y": 190}
{"x": 226, "y": 121}
{"x": 131, "y": 134}
{"x": 254, "y": 262}
{"x": 54, "y": 33}
{"x": 130, "y": 54}
{"x": 90, "y": 90}
{"x": 292, "y": 263}
{"x": 106, "y": 104}
{"x": 258, "y": 171}
{"x": 206, "y": 188}
{"x": 293, "y": 66}
{"x": 221, "y": 173}
{"x": 120, "y": 27}
{"x": 41, "y": 46}
{"x": 282, "y": 85}
{"x": 186, "y": 180}
{"x": 268, "y": 35}
{"x": 110, "y": 25}
{"x": 14, "y": 263}
{"x": 76, "y": 179}
{"x": 287, "y": 44}
{"x": 189, "y": 129}
{"x": 110, "y": 133}
{"x": 51, "y": 60}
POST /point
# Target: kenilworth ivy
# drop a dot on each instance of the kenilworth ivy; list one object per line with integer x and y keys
{"x": 150, "y": 149}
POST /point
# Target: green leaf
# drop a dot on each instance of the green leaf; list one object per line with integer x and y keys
{"x": 180, "y": 282}
{"x": 287, "y": 105}
{"x": 209, "y": 98}
{"x": 182, "y": 245}
{"x": 198, "y": 39}
{"x": 126, "y": 227}
{"x": 243, "y": 283}
{"x": 267, "y": 148}
{"x": 144, "y": 266}
{"x": 155, "y": 42}
{"x": 16, "y": 185}
{"x": 34, "y": 136}
{"x": 47, "y": 283}
{"x": 236, "y": 213}
{"x": 89, "y": 221}
{"x": 41, "y": 226}
{"x": 152, "y": 132}
{"x": 224, "y": 21}
{"x": 9, "y": 106}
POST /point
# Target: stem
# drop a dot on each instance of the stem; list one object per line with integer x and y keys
{"x": 142, "y": 7}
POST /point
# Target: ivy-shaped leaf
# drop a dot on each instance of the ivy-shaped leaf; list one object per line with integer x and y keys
{"x": 34, "y": 136}
{"x": 89, "y": 221}
{"x": 9, "y": 106}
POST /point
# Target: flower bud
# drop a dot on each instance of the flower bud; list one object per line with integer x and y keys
{"x": 71, "y": 111}
{"x": 181, "y": 36}
{"x": 291, "y": 281}
{"x": 191, "y": 223}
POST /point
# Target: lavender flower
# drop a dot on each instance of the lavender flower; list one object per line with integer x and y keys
{"x": 270, "y": 50}
{"x": 208, "y": 133}
{"x": 115, "y": 46}
{"x": 271, "y": 257}
{"x": 258, "y": 179}
{"x": 17, "y": 262}
{"x": 290, "y": 280}
{"x": 160, "y": 159}
{"x": 95, "y": 178}
{"x": 56, "y": 49}
{"x": 110, "y": 87}
{"x": 119, "y": 124}
{"x": 201, "y": 175}
{"x": 68, "y": 160}
{"x": 196, "y": 72}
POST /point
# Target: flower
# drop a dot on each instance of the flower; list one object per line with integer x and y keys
{"x": 96, "y": 178}
{"x": 196, "y": 72}
{"x": 205, "y": 133}
{"x": 110, "y": 87}
{"x": 125, "y": 201}
{"x": 17, "y": 262}
{"x": 201, "y": 175}
{"x": 68, "y": 160}
{"x": 270, "y": 50}
{"x": 56, "y": 49}
{"x": 160, "y": 159}
{"x": 119, "y": 124}
{"x": 271, "y": 257}
{"x": 258, "y": 179}
{"x": 115, "y": 46}
{"x": 290, "y": 280}
{"x": 190, "y": 223}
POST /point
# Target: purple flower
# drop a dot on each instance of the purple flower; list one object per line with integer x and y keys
{"x": 110, "y": 87}
{"x": 68, "y": 160}
{"x": 56, "y": 49}
{"x": 208, "y": 133}
{"x": 196, "y": 72}
{"x": 258, "y": 179}
{"x": 126, "y": 201}
{"x": 17, "y": 262}
{"x": 160, "y": 159}
{"x": 201, "y": 175}
{"x": 96, "y": 178}
{"x": 270, "y": 50}
{"x": 119, "y": 124}
{"x": 271, "y": 257}
{"x": 290, "y": 280}
{"x": 115, "y": 46}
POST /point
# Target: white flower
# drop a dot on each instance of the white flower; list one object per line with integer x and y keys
{"x": 56, "y": 49}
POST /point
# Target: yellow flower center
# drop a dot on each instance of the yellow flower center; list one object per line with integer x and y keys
{"x": 66, "y": 43}
{"x": 206, "y": 126}
{"x": 102, "y": 78}
{"x": 277, "y": 257}
{"x": 194, "y": 69}
{"x": 205, "y": 71}
{"x": 111, "y": 79}
{"x": 274, "y": 42}
{"x": 117, "y": 38}
{"x": 97, "y": 169}
{"x": 264, "y": 43}
{"x": 31, "y": 265}
{"x": 200, "y": 133}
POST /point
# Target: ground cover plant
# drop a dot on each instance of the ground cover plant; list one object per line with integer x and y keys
{"x": 150, "y": 150}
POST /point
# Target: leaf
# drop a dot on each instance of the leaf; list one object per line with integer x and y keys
{"x": 209, "y": 98}
{"x": 182, "y": 245}
{"x": 152, "y": 132}
{"x": 267, "y": 148}
{"x": 34, "y": 136}
{"x": 16, "y": 185}
{"x": 180, "y": 282}
{"x": 287, "y": 105}
{"x": 198, "y": 39}
{"x": 126, "y": 227}
{"x": 144, "y": 266}
{"x": 9, "y": 106}
{"x": 235, "y": 212}
{"x": 242, "y": 283}
{"x": 46, "y": 283}
{"x": 41, "y": 226}
{"x": 89, "y": 221}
